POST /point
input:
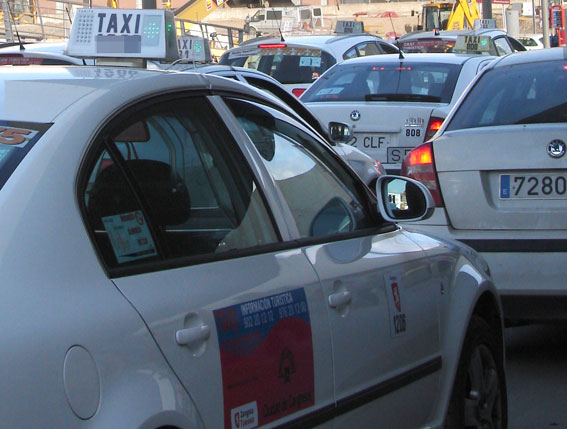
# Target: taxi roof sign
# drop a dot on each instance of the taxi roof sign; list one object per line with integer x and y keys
{"x": 474, "y": 45}
{"x": 194, "y": 49}
{"x": 123, "y": 33}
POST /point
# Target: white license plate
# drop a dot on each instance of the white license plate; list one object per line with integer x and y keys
{"x": 533, "y": 186}
{"x": 366, "y": 142}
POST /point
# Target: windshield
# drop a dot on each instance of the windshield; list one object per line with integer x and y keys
{"x": 403, "y": 81}
{"x": 16, "y": 140}
{"x": 287, "y": 64}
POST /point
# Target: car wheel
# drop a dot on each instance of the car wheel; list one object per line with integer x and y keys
{"x": 478, "y": 399}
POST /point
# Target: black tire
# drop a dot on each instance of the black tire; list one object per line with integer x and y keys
{"x": 479, "y": 399}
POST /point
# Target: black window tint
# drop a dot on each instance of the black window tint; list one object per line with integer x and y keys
{"x": 521, "y": 94}
{"x": 388, "y": 49}
{"x": 419, "y": 82}
{"x": 323, "y": 199}
{"x": 173, "y": 184}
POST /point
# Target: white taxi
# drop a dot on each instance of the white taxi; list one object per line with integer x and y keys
{"x": 392, "y": 103}
{"x": 178, "y": 251}
{"x": 497, "y": 170}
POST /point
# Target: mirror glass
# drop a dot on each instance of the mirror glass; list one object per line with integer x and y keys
{"x": 403, "y": 199}
{"x": 339, "y": 132}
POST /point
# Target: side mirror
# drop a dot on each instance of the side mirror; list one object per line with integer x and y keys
{"x": 401, "y": 199}
{"x": 339, "y": 132}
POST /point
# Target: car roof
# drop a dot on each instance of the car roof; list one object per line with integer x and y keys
{"x": 52, "y": 50}
{"x": 533, "y": 56}
{"x": 420, "y": 57}
{"x": 451, "y": 34}
{"x": 40, "y": 94}
{"x": 330, "y": 42}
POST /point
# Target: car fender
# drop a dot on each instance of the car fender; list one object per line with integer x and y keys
{"x": 465, "y": 288}
{"x": 469, "y": 291}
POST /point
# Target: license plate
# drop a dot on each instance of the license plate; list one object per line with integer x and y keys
{"x": 396, "y": 154}
{"x": 367, "y": 142}
{"x": 533, "y": 186}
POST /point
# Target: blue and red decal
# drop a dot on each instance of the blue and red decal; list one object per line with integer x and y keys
{"x": 266, "y": 353}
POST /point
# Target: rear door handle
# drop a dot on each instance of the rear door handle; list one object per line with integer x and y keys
{"x": 190, "y": 336}
{"x": 339, "y": 299}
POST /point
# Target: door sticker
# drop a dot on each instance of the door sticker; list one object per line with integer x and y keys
{"x": 266, "y": 353}
{"x": 396, "y": 303}
{"x": 129, "y": 236}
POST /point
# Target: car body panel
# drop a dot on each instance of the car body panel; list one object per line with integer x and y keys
{"x": 396, "y": 309}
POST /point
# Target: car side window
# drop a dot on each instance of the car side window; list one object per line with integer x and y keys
{"x": 168, "y": 184}
{"x": 502, "y": 46}
{"x": 368, "y": 48}
{"x": 321, "y": 198}
{"x": 388, "y": 49}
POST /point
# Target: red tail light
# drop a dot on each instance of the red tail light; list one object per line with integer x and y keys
{"x": 272, "y": 45}
{"x": 419, "y": 164}
{"x": 432, "y": 127}
{"x": 298, "y": 91}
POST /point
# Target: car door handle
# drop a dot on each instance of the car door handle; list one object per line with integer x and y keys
{"x": 339, "y": 299}
{"x": 189, "y": 336}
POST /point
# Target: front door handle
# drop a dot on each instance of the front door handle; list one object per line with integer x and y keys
{"x": 190, "y": 336}
{"x": 340, "y": 299}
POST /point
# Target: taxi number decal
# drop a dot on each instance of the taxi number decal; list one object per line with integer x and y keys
{"x": 14, "y": 136}
{"x": 266, "y": 354}
{"x": 396, "y": 303}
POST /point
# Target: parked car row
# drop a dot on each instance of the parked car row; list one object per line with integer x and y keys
{"x": 196, "y": 254}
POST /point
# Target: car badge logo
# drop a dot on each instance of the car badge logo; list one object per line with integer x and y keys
{"x": 355, "y": 115}
{"x": 556, "y": 148}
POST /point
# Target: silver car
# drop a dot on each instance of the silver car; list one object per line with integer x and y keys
{"x": 392, "y": 103}
{"x": 497, "y": 170}
{"x": 298, "y": 61}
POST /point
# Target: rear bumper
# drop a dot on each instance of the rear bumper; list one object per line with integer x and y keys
{"x": 528, "y": 267}
{"x": 534, "y": 308}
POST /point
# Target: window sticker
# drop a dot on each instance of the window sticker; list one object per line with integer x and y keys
{"x": 330, "y": 91}
{"x": 396, "y": 303}
{"x": 310, "y": 62}
{"x": 266, "y": 354}
{"x": 17, "y": 137}
{"x": 129, "y": 236}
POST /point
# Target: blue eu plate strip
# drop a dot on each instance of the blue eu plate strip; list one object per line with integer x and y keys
{"x": 505, "y": 186}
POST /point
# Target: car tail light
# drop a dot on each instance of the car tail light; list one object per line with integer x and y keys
{"x": 272, "y": 45}
{"x": 298, "y": 91}
{"x": 433, "y": 127}
{"x": 419, "y": 164}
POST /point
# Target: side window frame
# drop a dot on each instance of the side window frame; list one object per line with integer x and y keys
{"x": 101, "y": 143}
{"x": 360, "y": 190}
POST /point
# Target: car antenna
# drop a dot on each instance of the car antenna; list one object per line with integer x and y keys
{"x": 279, "y": 26}
{"x": 401, "y": 57}
{"x": 22, "y": 48}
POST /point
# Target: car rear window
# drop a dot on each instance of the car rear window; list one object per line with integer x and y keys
{"x": 407, "y": 81}
{"x": 531, "y": 93}
{"x": 286, "y": 63}
{"x": 429, "y": 45}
